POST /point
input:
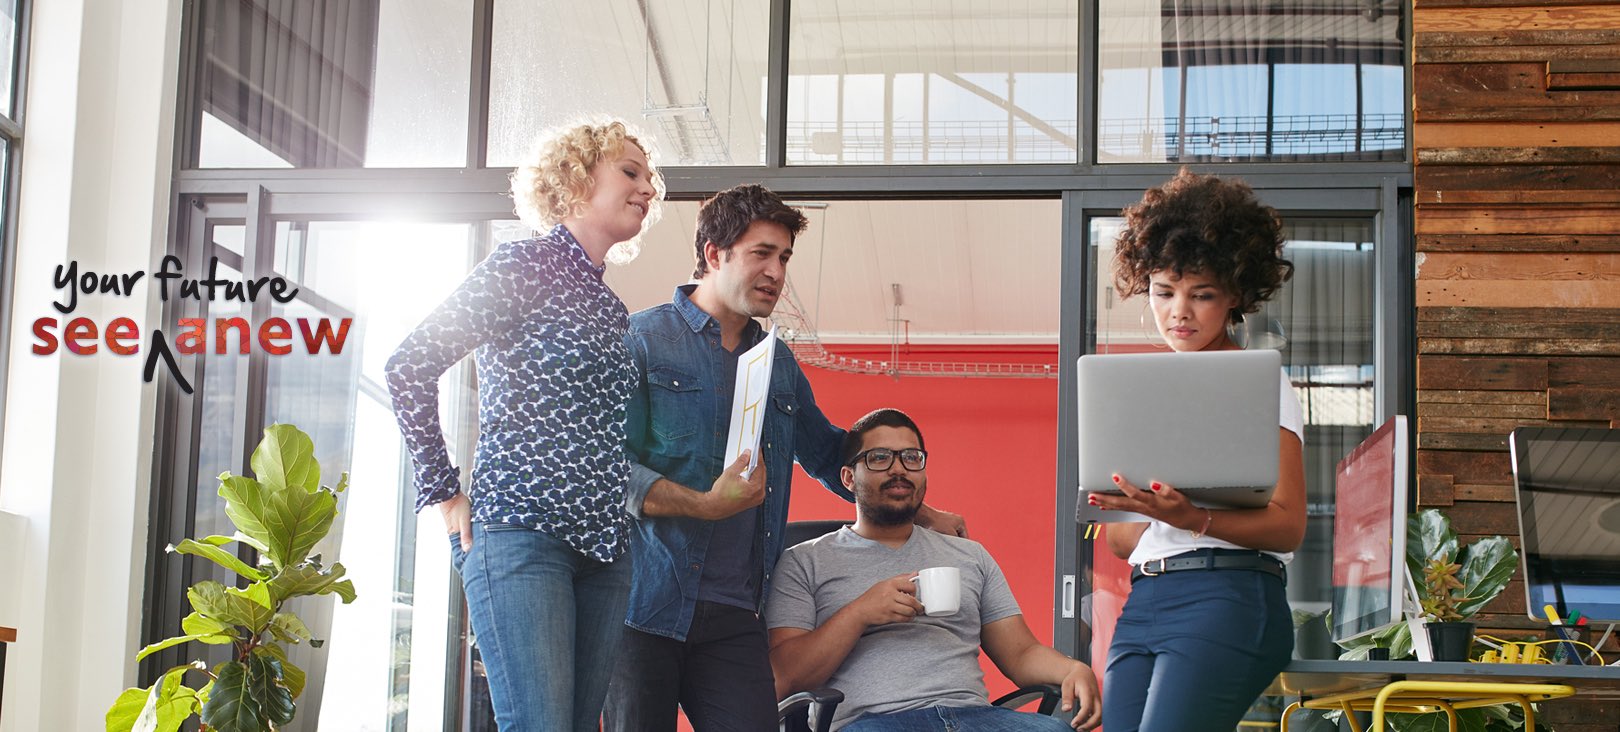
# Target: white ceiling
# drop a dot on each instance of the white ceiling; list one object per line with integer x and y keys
{"x": 969, "y": 271}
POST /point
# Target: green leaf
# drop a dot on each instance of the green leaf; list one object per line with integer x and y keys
{"x": 305, "y": 579}
{"x": 228, "y": 605}
{"x": 343, "y": 483}
{"x": 287, "y": 628}
{"x": 250, "y": 541}
{"x": 264, "y": 685}
{"x": 126, "y": 709}
{"x": 298, "y": 521}
{"x": 291, "y": 676}
{"x": 247, "y": 608}
{"x": 208, "y": 597}
{"x": 247, "y": 505}
{"x": 230, "y": 706}
{"x": 210, "y": 638}
{"x": 203, "y": 628}
{"x": 259, "y": 593}
{"x": 1489, "y": 564}
{"x": 218, "y": 556}
{"x": 285, "y": 458}
{"x": 1428, "y": 536}
{"x": 161, "y": 708}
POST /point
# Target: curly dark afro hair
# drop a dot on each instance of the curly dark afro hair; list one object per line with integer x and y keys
{"x": 1203, "y": 224}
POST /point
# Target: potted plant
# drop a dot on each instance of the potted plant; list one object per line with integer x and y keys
{"x": 1453, "y": 583}
{"x": 282, "y": 514}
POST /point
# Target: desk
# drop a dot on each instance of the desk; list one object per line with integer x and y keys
{"x": 1392, "y": 684}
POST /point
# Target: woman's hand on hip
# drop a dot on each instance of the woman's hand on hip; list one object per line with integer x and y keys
{"x": 457, "y": 513}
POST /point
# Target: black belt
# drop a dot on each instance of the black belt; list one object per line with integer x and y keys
{"x": 1212, "y": 559}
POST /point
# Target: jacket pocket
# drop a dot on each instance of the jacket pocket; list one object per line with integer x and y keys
{"x": 674, "y": 401}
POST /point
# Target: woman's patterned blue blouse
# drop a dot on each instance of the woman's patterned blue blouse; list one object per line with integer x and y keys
{"x": 553, "y": 378}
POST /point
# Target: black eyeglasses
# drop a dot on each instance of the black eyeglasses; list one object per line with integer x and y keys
{"x": 880, "y": 458}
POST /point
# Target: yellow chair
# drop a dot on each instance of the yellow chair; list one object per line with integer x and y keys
{"x": 1427, "y": 697}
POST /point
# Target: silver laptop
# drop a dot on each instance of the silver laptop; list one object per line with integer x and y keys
{"x": 1205, "y": 423}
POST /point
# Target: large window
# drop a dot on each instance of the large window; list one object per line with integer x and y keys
{"x": 1215, "y": 80}
{"x": 916, "y": 81}
{"x": 13, "y": 51}
{"x": 941, "y": 149}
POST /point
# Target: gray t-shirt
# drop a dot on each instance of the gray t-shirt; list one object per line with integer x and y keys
{"x": 901, "y": 666}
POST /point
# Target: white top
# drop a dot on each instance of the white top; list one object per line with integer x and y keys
{"x": 1162, "y": 540}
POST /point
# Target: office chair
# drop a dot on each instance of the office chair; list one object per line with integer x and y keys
{"x": 793, "y": 713}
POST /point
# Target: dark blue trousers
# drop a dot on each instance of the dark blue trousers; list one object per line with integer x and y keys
{"x": 1194, "y": 649}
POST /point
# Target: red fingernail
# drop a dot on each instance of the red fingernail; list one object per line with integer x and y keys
{"x": 1116, "y": 477}
{"x": 1155, "y": 485}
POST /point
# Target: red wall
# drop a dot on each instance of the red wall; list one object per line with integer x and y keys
{"x": 992, "y": 457}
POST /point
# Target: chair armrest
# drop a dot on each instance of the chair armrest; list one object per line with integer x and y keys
{"x": 794, "y": 711}
{"x": 1049, "y": 694}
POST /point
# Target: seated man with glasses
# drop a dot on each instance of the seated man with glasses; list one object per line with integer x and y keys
{"x": 844, "y": 610}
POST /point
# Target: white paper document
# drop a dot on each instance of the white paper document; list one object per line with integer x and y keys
{"x": 748, "y": 401}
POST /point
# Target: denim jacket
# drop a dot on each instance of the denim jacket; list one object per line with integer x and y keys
{"x": 676, "y": 428}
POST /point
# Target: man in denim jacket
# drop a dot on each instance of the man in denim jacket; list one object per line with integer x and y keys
{"x": 707, "y": 539}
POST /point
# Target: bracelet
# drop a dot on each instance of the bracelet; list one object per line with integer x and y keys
{"x": 1209, "y": 517}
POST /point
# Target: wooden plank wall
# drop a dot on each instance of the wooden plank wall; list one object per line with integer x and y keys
{"x": 1516, "y": 131}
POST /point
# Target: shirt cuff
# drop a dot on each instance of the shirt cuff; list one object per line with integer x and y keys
{"x": 642, "y": 479}
{"x": 438, "y": 489}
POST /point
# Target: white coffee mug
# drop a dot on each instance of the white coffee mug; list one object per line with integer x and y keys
{"x": 939, "y": 589}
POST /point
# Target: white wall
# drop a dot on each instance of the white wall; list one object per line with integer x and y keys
{"x": 77, "y": 455}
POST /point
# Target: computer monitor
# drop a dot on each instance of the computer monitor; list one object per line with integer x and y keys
{"x": 1369, "y": 533}
{"x": 1567, "y": 486}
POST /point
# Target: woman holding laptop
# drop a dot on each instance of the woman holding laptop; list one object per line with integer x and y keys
{"x": 1207, "y": 625}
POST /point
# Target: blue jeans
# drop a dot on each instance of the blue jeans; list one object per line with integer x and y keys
{"x": 1193, "y": 650}
{"x": 951, "y": 719}
{"x": 547, "y": 622}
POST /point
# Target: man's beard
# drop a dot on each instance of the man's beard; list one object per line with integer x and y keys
{"x": 888, "y": 514}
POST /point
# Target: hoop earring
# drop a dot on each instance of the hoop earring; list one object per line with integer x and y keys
{"x": 1153, "y": 336}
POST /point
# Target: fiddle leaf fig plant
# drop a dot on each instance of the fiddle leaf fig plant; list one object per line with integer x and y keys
{"x": 282, "y": 512}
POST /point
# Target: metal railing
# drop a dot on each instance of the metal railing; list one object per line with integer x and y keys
{"x": 1342, "y": 136}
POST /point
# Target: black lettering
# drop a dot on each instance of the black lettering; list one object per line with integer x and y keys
{"x": 254, "y": 287}
{"x": 64, "y": 279}
{"x": 164, "y": 275}
{"x": 160, "y": 348}
{"x": 278, "y": 290}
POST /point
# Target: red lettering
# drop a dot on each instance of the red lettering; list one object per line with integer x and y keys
{"x": 194, "y": 340}
{"x": 78, "y": 331}
{"x": 323, "y": 334}
{"x": 222, "y": 327}
{"x": 123, "y": 329}
{"x": 47, "y": 339}
{"x": 275, "y": 329}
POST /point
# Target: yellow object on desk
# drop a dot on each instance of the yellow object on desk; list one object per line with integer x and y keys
{"x": 1424, "y": 697}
